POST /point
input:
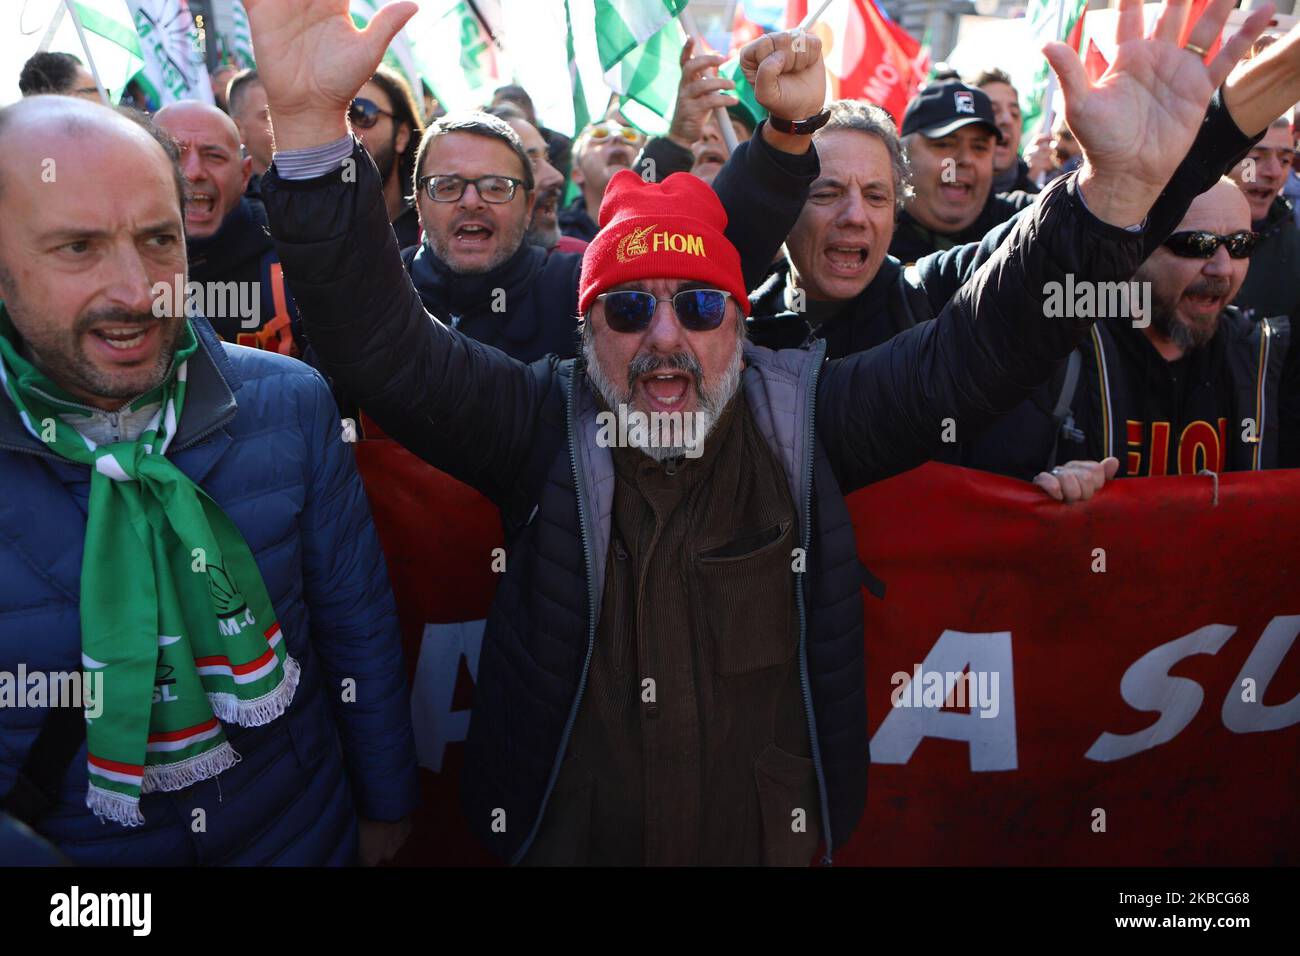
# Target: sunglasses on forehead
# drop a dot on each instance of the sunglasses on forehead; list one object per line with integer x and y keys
{"x": 699, "y": 310}
{"x": 1200, "y": 244}
{"x": 364, "y": 113}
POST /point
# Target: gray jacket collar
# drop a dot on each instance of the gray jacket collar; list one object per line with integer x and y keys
{"x": 779, "y": 389}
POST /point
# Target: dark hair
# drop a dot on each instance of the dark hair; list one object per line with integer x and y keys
{"x": 237, "y": 89}
{"x": 513, "y": 93}
{"x": 991, "y": 75}
{"x": 168, "y": 144}
{"x": 864, "y": 117}
{"x": 477, "y": 124}
{"x": 48, "y": 73}
{"x": 508, "y": 111}
{"x": 404, "y": 111}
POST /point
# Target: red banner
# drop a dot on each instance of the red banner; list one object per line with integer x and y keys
{"x": 1105, "y": 683}
{"x": 868, "y": 56}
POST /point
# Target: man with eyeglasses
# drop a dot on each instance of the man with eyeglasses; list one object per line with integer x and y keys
{"x": 59, "y": 73}
{"x": 672, "y": 669}
{"x": 544, "y": 224}
{"x": 477, "y": 195}
{"x": 601, "y": 150}
{"x": 1271, "y": 287}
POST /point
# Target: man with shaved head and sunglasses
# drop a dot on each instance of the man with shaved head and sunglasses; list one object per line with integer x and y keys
{"x": 672, "y": 667}
{"x": 1195, "y": 385}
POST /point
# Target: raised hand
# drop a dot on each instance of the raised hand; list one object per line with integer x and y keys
{"x": 787, "y": 74}
{"x": 1136, "y": 123}
{"x": 312, "y": 60}
{"x": 698, "y": 94}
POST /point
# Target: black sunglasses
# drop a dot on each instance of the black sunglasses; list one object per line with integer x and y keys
{"x": 365, "y": 113}
{"x": 1203, "y": 245}
{"x": 699, "y": 310}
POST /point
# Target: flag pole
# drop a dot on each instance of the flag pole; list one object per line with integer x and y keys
{"x": 687, "y": 20}
{"x": 90, "y": 60}
{"x": 1050, "y": 92}
{"x": 812, "y": 18}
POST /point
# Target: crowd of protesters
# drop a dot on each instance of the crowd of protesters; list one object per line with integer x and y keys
{"x": 825, "y": 297}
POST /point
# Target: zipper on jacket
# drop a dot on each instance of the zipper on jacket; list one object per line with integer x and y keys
{"x": 819, "y": 353}
{"x": 1265, "y": 335}
{"x": 571, "y": 416}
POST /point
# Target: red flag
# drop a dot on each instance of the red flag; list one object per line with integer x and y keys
{"x": 868, "y": 56}
{"x": 1094, "y": 64}
{"x": 743, "y": 29}
{"x": 1198, "y": 8}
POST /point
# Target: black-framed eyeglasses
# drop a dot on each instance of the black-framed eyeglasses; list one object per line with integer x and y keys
{"x": 699, "y": 310}
{"x": 1200, "y": 244}
{"x": 493, "y": 189}
{"x": 364, "y": 113}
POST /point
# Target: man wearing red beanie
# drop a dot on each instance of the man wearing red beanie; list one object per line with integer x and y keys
{"x": 672, "y": 669}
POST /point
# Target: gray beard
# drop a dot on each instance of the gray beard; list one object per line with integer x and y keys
{"x": 713, "y": 398}
{"x": 546, "y": 238}
{"x": 1184, "y": 336}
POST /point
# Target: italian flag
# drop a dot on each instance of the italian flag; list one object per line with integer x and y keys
{"x": 1048, "y": 20}
{"x": 640, "y": 46}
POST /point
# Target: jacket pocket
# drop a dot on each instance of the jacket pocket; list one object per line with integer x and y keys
{"x": 745, "y": 597}
{"x": 788, "y": 807}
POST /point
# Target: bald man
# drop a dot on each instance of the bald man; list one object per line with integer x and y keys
{"x": 250, "y": 545}
{"x": 226, "y": 232}
{"x": 1175, "y": 380}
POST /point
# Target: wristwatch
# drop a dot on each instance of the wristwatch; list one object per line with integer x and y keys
{"x": 803, "y": 127}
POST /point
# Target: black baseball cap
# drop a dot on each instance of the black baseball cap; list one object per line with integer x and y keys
{"x": 944, "y": 107}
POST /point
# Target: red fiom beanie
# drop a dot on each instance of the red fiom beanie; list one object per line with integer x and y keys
{"x": 668, "y": 230}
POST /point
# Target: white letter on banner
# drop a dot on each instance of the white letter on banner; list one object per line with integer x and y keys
{"x": 1246, "y": 717}
{"x": 434, "y": 688}
{"x": 1148, "y": 686}
{"x": 992, "y": 739}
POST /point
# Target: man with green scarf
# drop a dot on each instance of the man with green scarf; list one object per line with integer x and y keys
{"x": 181, "y": 523}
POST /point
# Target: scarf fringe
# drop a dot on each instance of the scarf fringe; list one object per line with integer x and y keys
{"x": 111, "y": 805}
{"x": 178, "y": 776}
{"x": 261, "y": 710}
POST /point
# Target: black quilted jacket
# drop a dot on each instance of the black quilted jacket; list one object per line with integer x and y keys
{"x": 524, "y": 436}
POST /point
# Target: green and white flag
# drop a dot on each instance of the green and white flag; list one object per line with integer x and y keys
{"x": 240, "y": 43}
{"x": 400, "y": 56}
{"x": 29, "y": 26}
{"x": 640, "y": 46}
{"x": 456, "y": 55}
{"x": 1048, "y": 20}
{"x": 552, "y": 49}
{"x": 174, "y": 54}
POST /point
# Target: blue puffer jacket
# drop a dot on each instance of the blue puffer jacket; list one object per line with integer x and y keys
{"x": 276, "y": 463}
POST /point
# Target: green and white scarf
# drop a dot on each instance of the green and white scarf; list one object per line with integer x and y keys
{"x": 174, "y": 612}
